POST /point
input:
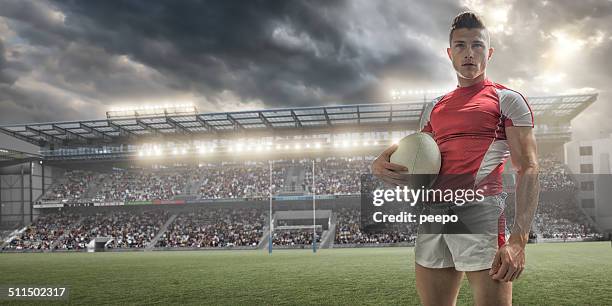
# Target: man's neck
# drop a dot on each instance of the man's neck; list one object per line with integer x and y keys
{"x": 469, "y": 82}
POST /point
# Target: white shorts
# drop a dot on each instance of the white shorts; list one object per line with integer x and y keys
{"x": 465, "y": 252}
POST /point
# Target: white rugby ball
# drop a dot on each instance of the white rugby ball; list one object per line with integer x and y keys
{"x": 419, "y": 153}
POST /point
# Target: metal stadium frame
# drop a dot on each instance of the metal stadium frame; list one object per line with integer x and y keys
{"x": 551, "y": 110}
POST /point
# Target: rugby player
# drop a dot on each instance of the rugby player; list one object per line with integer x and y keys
{"x": 476, "y": 126}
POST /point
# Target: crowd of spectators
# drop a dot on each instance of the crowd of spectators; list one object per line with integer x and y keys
{"x": 245, "y": 180}
{"x": 127, "y": 229}
{"x": 554, "y": 175}
{"x": 338, "y": 175}
{"x": 72, "y": 188}
{"x": 205, "y": 227}
{"x": 348, "y": 231}
{"x": 294, "y": 237}
{"x": 334, "y": 176}
{"x": 142, "y": 185}
{"x": 41, "y": 234}
{"x": 561, "y": 219}
{"x": 212, "y": 228}
{"x": 72, "y": 231}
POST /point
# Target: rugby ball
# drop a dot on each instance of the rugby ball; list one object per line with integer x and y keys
{"x": 419, "y": 153}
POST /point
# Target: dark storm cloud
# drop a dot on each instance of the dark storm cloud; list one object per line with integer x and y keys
{"x": 282, "y": 53}
{"x": 8, "y": 70}
{"x": 21, "y": 105}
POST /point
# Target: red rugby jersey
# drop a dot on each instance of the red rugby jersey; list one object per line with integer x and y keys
{"x": 469, "y": 126}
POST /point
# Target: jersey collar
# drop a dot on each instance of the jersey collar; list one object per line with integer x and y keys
{"x": 476, "y": 86}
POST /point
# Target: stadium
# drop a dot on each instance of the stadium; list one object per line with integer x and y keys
{"x": 173, "y": 179}
{"x": 242, "y": 153}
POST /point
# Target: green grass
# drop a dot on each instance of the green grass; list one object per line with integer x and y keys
{"x": 557, "y": 274}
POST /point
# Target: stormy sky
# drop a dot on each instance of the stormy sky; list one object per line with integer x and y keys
{"x": 71, "y": 60}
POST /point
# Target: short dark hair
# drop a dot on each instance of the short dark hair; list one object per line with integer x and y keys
{"x": 466, "y": 20}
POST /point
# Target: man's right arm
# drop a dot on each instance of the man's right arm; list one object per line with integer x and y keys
{"x": 383, "y": 169}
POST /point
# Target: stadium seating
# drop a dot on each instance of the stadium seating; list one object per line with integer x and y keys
{"x": 554, "y": 175}
{"x": 126, "y": 228}
{"x": 247, "y": 180}
{"x": 250, "y": 180}
{"x": 73, "y": 187}
{"x": 294, "y": 237}
{"x": 140, "y": 185}
{"x": 206, "y": 227}
{"x": 561, "y": 219}
{"x": 41, "y": 234}
{"x": 349, "y": 232}
{"x": 339, "y": 176}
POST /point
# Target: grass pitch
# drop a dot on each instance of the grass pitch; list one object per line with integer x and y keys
{"x": 556, "y": 274}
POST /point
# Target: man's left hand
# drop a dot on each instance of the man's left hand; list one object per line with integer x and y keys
{"x": 509, "y": 262}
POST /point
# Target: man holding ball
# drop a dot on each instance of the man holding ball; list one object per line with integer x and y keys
{"x": 476, "y": 126}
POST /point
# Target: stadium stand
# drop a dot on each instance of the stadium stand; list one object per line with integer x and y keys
{"x": 41, "y": 234}
{"x": 205, "y": 227}
{"x": 339, "y": 176}
{"x": 294, "y": 237}
{"x": 348, "y": 231}
{"x": 140, "y": 185}
{"x": 243, "y": 227}
{"x": 240, "y": 180}
{"x": 73, "y": 187}
{"x": 561, "y": 219}
{"x": 554, "y": 175}
{"x": 126, "y": 228}
{"x": 335, "y": 176}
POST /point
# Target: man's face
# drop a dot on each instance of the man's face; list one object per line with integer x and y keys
{"x": 469, "y": 52}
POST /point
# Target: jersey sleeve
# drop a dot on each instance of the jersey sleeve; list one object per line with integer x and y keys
{"x": 424, "y": 123}
{"x": 514, "y": 109}
{"x": 427, "y": 128}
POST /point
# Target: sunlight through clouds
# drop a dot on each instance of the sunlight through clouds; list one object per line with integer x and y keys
{"x": 495, "y": 14}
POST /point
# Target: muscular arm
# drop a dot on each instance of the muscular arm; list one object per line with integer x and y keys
{"x": 523, "y": 153}
{"x": 509, "y": 261}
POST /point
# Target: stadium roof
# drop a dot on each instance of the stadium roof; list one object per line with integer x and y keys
{"x": 547, "y": 110}
{"x": 7, "y": 155}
